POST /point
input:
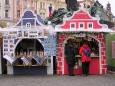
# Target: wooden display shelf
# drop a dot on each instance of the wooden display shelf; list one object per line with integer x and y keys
{"x": 29, "y": 65}
{"x": 92, "y": 56}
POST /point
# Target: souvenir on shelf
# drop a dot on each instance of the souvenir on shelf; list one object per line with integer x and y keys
{"x": 29, "y": 56}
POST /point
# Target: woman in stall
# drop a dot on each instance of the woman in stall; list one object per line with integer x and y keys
{"x": 85, "y": 52}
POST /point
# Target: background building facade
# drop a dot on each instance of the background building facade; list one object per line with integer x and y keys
{"x": 6, "y": 10}
{"x": 11, "y": 10}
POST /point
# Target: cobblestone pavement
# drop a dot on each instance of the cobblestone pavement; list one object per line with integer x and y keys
{"x": 91, "y": 80}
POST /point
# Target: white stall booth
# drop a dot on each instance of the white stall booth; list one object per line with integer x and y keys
{"x": 29, "y": 47}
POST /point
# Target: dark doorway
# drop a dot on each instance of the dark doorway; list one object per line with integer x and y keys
{"x": 54, "y": 65}
{"x": 3, "y": 61}
{"x": 4, "y": 66}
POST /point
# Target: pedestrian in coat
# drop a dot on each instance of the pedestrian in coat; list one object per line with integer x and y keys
{"x": 70, "y": 57}
{"x": 85, "y": 58}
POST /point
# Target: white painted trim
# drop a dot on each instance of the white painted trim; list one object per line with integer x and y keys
{"x": 100, "y": 58}
{"x": 82, "y": 19}
{"x": 84, "y": 30}
{"x": 63, "y": 55}
{"x": 29, "y": 18}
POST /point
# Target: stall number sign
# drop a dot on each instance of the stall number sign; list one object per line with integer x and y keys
{"x": 113, "y": 49}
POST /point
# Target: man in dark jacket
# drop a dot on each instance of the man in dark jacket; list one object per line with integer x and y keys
{"x": 70, "y": 57}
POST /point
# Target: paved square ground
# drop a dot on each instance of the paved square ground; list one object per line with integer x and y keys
{"x": 32, "y": 80}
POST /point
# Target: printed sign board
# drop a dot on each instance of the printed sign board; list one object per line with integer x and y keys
{"x": 50, "y": 46}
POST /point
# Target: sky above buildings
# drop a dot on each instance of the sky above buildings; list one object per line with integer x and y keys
{"x": 104, "y": 3}
{"x": 112, "y": 2}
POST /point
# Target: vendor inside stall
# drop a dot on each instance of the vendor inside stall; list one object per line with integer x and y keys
{"x": 92, "y": 43}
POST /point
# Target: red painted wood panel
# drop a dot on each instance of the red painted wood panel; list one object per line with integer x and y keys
{"x": 94, "y": 67}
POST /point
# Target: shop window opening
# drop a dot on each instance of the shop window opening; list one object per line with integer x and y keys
{"x": 31, "y": 49}
{"x": 93, "y": 44}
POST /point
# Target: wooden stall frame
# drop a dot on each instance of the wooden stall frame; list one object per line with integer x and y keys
{"x": 63, "y": 45}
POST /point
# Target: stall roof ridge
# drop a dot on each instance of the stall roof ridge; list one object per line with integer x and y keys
{"x": 81, "y": 14}
{"x": 29, "y": 16}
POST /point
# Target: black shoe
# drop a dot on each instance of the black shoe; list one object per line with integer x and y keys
{"x": 71, "y": 75}
{"x": 86, "y": 74}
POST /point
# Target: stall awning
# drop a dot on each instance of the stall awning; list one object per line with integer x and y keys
{"x": 105, "y": 30}
{"x": 10, "y": 29}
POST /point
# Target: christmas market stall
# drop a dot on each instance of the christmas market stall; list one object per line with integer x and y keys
{"x": 29, "y": 46}
{"x": 110, "y": 44}
{"x": 81, "y": 25}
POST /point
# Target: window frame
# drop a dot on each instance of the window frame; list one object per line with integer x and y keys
{"x": 6, "y": 2}
{"x": 89, "y": 24}
{"x": 28, "y": 25}
{"x": 18, "y": 13}
{"x": 80, "y": 24}
{"x": 72, "y": 23}
{"x": 6, "y": 13}
{"x": 42, "y": 5}
{"x": 18, "y": 1}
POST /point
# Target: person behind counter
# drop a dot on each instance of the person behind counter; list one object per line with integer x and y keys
{"x": 85, "y": 59}
{"x": 70, "y": 57}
